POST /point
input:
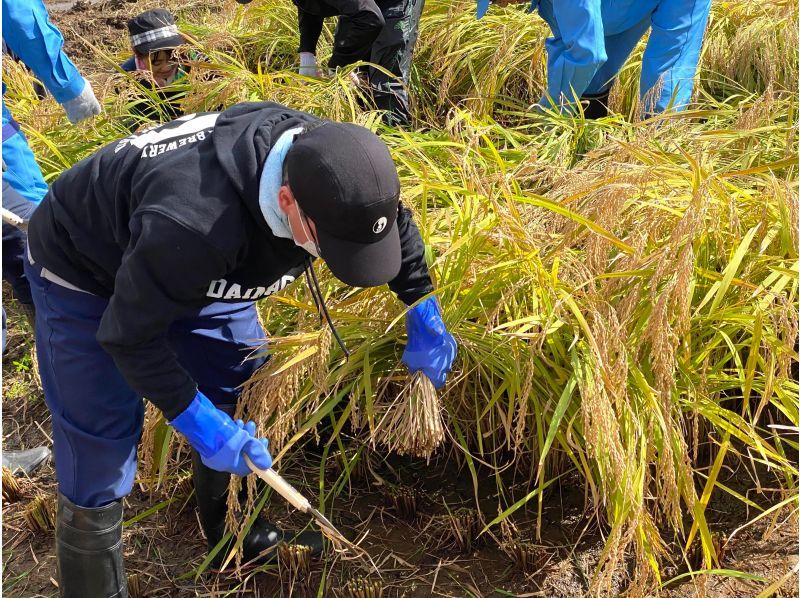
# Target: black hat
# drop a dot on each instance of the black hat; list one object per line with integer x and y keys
{"x": 344, "y": 179}
{"x": 154, "y": 30}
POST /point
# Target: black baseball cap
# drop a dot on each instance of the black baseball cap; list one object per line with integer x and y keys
{"x": 344, "y": 179}
{"x": 154, "y": 30}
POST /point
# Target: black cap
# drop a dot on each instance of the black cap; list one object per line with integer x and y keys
{"x": 344, "y": 179}
{"x": 154, "y": 30}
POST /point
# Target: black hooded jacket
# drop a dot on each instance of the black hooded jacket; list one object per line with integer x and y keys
{"x": 360, "y": 24}
{"x": 167, "y": 221}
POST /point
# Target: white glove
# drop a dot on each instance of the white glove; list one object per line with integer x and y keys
{"x": 85, "y": 105}
{"x": 308, "y": 65}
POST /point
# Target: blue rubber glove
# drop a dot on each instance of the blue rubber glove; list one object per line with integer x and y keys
{"x": 221, "y": 442}
{"x": 430, "y": 347}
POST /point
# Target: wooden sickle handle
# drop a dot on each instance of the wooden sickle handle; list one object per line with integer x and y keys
{"x": 281, "y": 486}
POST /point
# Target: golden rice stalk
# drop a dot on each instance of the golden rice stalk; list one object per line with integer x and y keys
{"x": 12, "y": 489}
{"x": 361, "y": 587}
{"x": 270, "y": 397}
{"x": 696, "y": 558}
{"x": 40, "y": 514}
{"x": 412, "y": 424}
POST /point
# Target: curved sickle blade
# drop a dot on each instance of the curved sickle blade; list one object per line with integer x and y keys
{"x": 325, "y": 523}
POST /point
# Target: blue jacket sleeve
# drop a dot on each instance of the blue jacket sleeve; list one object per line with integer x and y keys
{"x": 577, "y": 48}
{"x": 672, "y": 52}
{"x": 29, "y": 34}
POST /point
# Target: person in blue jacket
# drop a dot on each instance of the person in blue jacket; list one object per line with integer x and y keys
{"x": 592, "y": 39}
{"x": 29, "y": 35}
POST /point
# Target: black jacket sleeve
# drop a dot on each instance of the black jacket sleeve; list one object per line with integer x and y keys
{"x": 360, "y": 24}
{"x": 414, "y": 281}
{"x": 164, "y": 275}
{"x": 310, "y": 30}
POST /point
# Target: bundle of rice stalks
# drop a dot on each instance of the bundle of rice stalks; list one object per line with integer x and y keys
{"x": 405, "y": 501}
{"x": 40, "y": 514}
{"x": 465, "y": 527}
{"x": 294, "y": 561}
{"x": 412, "y": 424}
{"x": 363, "y": 587}
{"x": 527, "y": 557}
{"x": 12, "y": 489}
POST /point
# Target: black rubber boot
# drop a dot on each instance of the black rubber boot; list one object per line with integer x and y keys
{"x": 211, "y": 493}
{"x": 89, "y": 551}
{"x": 597, "y": 106}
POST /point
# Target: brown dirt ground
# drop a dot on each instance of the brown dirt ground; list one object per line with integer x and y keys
{"x": 415, "y": 558}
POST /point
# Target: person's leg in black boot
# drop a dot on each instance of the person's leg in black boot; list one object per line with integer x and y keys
{"x": 89, "y": 550}
{"x": 595, "y": 106}
{"x": 97, "y": 421}
{"x": 259, "y": 546}
{"x": 213, "y": 346}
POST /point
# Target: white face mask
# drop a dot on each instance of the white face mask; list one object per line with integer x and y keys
{"x": 310, "y": 245}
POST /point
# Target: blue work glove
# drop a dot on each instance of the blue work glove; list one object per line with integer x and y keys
{"x": 430, "y": 347}
{"x": 221, "y": 442}
{"x": 83, "y": 106}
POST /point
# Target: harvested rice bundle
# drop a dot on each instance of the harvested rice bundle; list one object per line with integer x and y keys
{"x": 412, "y": 424}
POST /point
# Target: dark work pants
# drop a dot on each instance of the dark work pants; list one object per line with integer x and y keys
{"x": 393, "y": 51}
{"x": 97, "y": 418}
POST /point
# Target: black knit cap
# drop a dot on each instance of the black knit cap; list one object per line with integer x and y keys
{"x": 154, "y": 30}
{"x": 344, "y": 179}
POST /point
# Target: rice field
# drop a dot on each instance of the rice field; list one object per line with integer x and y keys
{"x": 624, "y": 293}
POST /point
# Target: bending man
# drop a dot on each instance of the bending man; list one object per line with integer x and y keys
{"x": 145, "y": 282}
